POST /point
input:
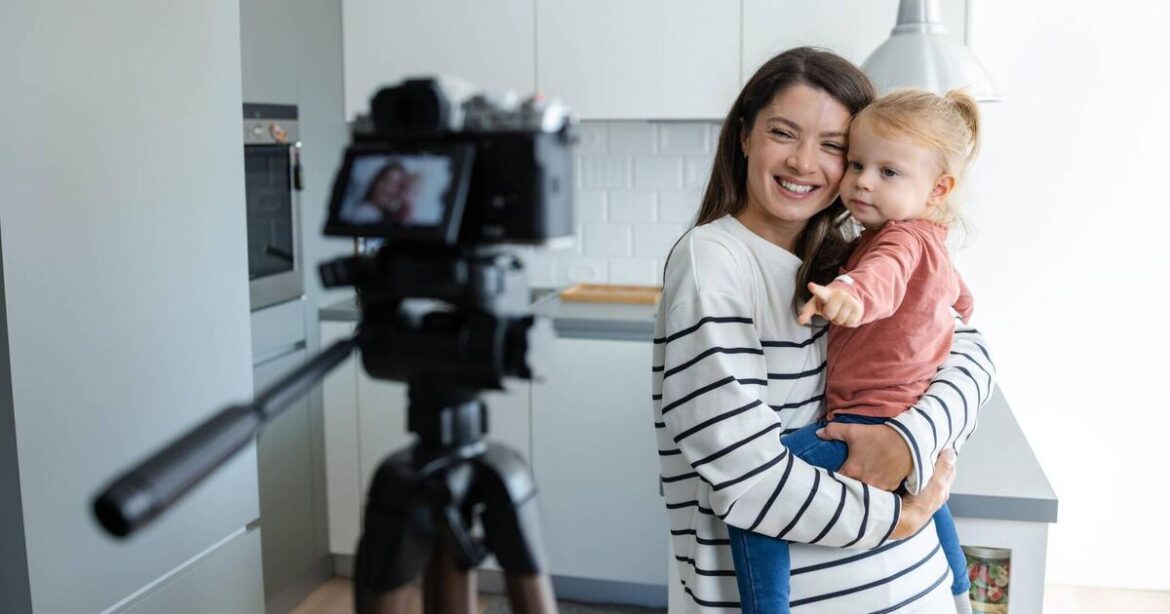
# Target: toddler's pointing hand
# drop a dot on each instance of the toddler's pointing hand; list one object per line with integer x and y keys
{"x": 833, "y": 304}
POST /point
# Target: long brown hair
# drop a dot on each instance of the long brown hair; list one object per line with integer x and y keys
{"x": 822, "y": 246}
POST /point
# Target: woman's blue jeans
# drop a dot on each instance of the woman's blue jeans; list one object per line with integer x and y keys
{"x": 763, "y": 567}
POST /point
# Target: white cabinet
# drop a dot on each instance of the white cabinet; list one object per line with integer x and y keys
{"x": 851, "y": 28}
{"x": 593, "y": 452}
{"x": 487, "y": 43}
{"x": 365, "y": 420}
{"x": 657, "y": 59}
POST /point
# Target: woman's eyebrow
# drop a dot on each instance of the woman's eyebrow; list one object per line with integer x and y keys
{"x": 795, "y": 126}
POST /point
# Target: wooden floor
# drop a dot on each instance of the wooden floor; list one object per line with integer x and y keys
{"x": 335, "y": 597}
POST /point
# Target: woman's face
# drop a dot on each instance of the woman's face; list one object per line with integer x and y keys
{"x": 796, "y": 158}
{"x": 391, "y": 187}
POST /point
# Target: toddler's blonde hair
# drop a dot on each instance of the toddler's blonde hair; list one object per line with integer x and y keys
{"x": 948, "y": 125}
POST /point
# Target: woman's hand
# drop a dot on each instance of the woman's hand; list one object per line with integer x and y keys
{"x": 917, "y": 509}
{"x": 878, "y": 456}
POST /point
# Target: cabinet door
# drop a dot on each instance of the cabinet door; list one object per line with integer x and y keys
{"x": 489, "y": 44}
{"x": 651, "y": 59}
{"x": 594, "y": 454}
{"x": 851, "y": 28}
{"x": 287, "y": 499}
{"x": 344, "y": 491}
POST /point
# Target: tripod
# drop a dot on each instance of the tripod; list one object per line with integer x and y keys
{"x": 425, "y": 499}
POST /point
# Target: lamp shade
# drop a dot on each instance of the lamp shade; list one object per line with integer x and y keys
{"x": 921, "y": 54}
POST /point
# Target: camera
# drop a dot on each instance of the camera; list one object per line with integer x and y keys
{"x": 435, "y": 163}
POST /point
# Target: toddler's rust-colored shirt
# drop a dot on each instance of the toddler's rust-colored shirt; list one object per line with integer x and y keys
{"x": 903, "y": 276}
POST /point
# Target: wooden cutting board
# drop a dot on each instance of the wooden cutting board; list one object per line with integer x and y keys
{"x": 612, "y": 293}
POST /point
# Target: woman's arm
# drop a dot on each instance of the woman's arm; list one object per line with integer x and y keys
{"x": 713, "y": 372}
{"x": 943, "y": 418}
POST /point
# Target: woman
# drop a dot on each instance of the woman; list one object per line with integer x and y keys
{"x": 733, "y": 371}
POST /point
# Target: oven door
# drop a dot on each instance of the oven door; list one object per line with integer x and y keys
{"x": 271, "y": 188}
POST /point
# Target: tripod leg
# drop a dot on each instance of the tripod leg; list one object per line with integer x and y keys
{"x": 530, "y": 594}
{"x": 511, "y": 522}
{"x": 446, "y": 588}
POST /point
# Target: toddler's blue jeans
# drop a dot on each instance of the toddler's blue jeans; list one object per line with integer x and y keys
{"x": 763, "y": 567}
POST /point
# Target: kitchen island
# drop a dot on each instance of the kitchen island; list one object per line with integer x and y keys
{"x": 1000, "y": 499}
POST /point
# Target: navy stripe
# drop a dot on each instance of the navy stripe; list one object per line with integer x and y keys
{"x": 759, "y": 382}
{"x": 863, "y": 587}
{"x": 656, "y": 397}
{"x": 933, "y": 431}
{"x": 897, "y": 516}
{"x": 706, "y": 423}
{"x": 811, "y": 493}
{"x": 669, "y": 452}
{"x": 837, "y": 514}
{"x": 658, "y": 369}
{"x": 726, "y": 573}
{"x": 701, "y": 391}
{"x": 659, "y": 425}
{"x": 990, "y": 379}
{"x": 775, "y": 493}
{"x": 753, "y": 472}
{"x": 708, "y": 352}
{"x": 709, "y": 604}
{"x": 819, "y": 397}
{"x": 965, "y": 412}
{"x": 913, "y": 445}
{"x": 974, "y": 382}
{"x": 857, "y": 557}
{"x": 920, "y": 595}
{"x": 787, "y": 376}
{"x": 731, "y": 448}
{"x": 686, "y": 331}
{"x": 679, "y": 478}
{"x": 702, "y": 540}
{"x": 795, "y": 344}
{"x": 695, "y": 504}
{"x": 947, "y": 411}
{"x": 864, "y": 516}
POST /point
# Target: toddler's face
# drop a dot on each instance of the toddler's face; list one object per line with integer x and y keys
{"x": 887, "y": 178}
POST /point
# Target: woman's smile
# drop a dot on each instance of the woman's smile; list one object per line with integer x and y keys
{"x": 794, "y": 189}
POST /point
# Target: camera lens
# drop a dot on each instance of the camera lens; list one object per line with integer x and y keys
{"x": 414, "y": 107}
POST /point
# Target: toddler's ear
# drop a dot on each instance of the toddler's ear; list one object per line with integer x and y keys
{"x": 943, "y": 187}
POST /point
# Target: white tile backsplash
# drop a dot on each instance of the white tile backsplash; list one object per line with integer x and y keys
{"x": 634, "y": 138}
{"x": 600, "y": 172}
{"x": 683, "y": 138}
{"x": 632, "y": 206}
{"x": 582, "y": 270}
{"x": 658, "y": 172}
{"x": 655, "y": 240}
{"x": 589, "y": 206}
{"x": 608, "y": 240}
{"x": 678, "y": 206}
{"x": 635, "y": 271}
{"x": 638, "y": 189}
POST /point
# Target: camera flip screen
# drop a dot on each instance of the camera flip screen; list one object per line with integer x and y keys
{"x": 385, "y": 192}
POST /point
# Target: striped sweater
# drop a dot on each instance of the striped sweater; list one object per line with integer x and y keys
{"x": 732, "y": 372}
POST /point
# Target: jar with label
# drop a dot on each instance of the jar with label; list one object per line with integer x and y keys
{"x": 989, "y": 570}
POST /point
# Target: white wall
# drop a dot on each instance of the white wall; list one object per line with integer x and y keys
{"x": 1068, "y": 267}
{"x": 125, "y": 289}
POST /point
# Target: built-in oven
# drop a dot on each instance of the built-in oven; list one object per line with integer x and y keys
{"x": 272, "y": 185}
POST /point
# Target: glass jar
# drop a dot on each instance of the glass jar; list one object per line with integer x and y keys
{"x": 989, "y": 570}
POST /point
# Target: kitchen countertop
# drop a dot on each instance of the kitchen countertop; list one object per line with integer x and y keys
{"x": 998, "y": 475}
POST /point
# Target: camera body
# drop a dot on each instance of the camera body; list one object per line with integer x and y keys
{"x": 436, "y": 164}
{"x": 445, "y": 180}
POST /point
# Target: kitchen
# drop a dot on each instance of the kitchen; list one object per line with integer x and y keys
{"x": 120, "y": 337}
